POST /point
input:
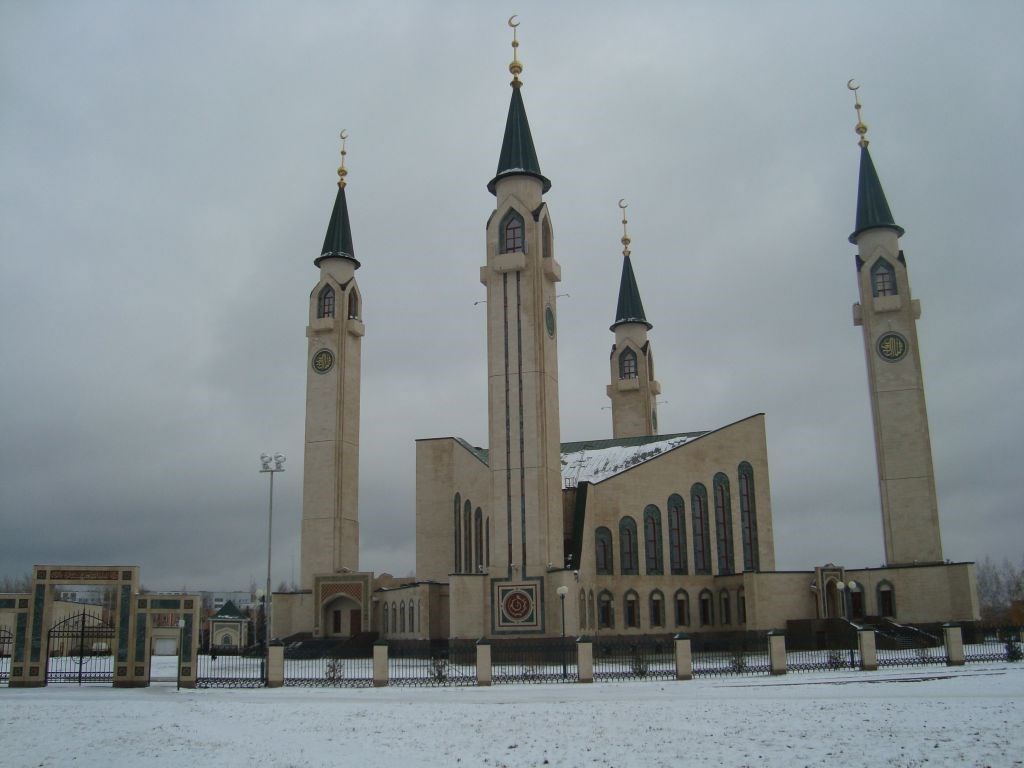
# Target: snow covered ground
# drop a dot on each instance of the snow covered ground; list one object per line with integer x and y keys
{"x": 936, "y": 716}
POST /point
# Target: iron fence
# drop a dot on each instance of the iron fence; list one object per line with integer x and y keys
{"x": 219, "y": 670}
{"x": 996, "y": 644}
{"x": 634, "y": 658}
{"x": 6, "y": 646}
{"x": 79, "y": 650}
{"x": 338, "y": 668}
{"x": 837, "y": 652}
{"x": 912, "y": 657}
{"x": 745, "y": 654}
{"x": 431, "y": 662}
{"x": 541, "y": 660}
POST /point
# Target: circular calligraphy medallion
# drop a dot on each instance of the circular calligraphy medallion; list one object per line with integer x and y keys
{"x": 549, "y": 321}
{"x": 323, "y": 361}
{"x": 892, "y": 347}
{"x": 518, "y": 605}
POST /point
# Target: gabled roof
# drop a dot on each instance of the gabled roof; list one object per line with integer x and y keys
{"x": 338, "y": 242}
{"x": 595, "y": 460}
{"x": 872, "y": 207}
{"x": 518, "y": 156}
{"x": 630, "y": 309}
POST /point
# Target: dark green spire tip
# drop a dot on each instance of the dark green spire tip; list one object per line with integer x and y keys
{"x": 630, "y": 308}
{"x": 872, "y": 208}
{"x": 338, "y": 242}
{"x": 518, "y": 156}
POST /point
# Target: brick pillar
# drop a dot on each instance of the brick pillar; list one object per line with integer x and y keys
{"x": 866, "y": 644}
{"x": 585, "y": 660}
{"x": 483, "y": 662}
{"x": 954, "y": 645}
{"x": 380, "y": 664}
{"x": 777, "y": 654}
{"x": 684, "y": 657}
{"x": 275, "y": 665}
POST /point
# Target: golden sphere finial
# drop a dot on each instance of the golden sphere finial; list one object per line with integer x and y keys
{"x": 861, "y": 128}
{"x": 342, "y": 170}
{"x": 516, "y": 67}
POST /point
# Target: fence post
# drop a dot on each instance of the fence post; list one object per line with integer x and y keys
{"x": 777, "y": 654}
{"x": 868, "y": 654}
{"x": 585, "y": 659}
{"x": 954, "y": 645}
{"x": 380, "y": 664}
{"x": 483, "y": 661}
{"x": 275, "y": 664}
{"x": 684, "y": 657}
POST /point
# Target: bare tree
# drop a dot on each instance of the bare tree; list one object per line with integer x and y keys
{"x": 1000, "y": 589}
{"x": 22, "y": 583}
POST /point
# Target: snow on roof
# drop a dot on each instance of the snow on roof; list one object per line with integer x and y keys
{"x": 597, "y": 460}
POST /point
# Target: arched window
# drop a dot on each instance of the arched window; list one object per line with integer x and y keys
{"x": 857, "y": 607}
{"x": 401, "y": 614}
{"x": 707, "y": 608}
{"x": 510, "y": 234}
{"x": 394, "y": 617}
{"x": 682, "y": 603}
{"x": 701, "y": 530}
{"x": 384, "y": 614}
{"x": 546, "y": 238}
{"x": 353, "y": 304}
{"x": 657, "y": 609}
{"x": 419, "y": 615}
{"x": 412, "y": 617}
{"x": 627, "y": 364}
{"x": 467, "y": 537}
{"x": 652, "y": 540}
{"x": 478, "y": 530}
{"x": 582, "y": 609}
{"x": 487, "y": 542}
{"x": 632, "y": 606}
{"x": 748, "y": 519}
{"x": 590, "y": 609}
{"x": 458, "y": 534}
{"x": 605, "y": 611}
{"x": 886, "y": 599}
{"x": 603, "y": 551}
{"x": 723, "y": 524}
{"x": 676, "y": 535}
{"x": 724, "y": 609}
{"x": 627, "y": 546}
{"x": 325, "y": 302}
{"x": 883, "y": 279}
{"x": 741, "y": 605}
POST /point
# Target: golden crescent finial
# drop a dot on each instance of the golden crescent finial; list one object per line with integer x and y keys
{"x": 623, "y": 205}
{"x": 516, "y": 66}
{"x": 342, "y": 171}
{"x": 860, "y": 128}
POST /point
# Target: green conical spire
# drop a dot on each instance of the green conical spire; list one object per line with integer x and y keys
{"x": 518, "y": 155}
{"x": 630, "y": 308}
{"x": 872, "y": 207}
{"x": 338, "y": 242}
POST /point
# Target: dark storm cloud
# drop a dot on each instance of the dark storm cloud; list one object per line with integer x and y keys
{"x": 169, "y": 172}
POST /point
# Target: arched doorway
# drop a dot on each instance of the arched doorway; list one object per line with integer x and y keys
{"x": 342, "y": 617}
{"x": 834, "y": 608}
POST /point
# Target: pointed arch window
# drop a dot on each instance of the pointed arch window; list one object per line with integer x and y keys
{"x": 676, "y": 535}
{"x": 707, "y": 608}
{"x": 657, "y": 609}
{"x": 385, "y": 614}
{"x": 652, "y": 541}
{"x": 627, "y": 364}
{"x": 582, "y": 609}
{"x": 510, "y": 234}
{"x": 394, "y": 617}
{"x": 682, "y": 603}
{"x": 458, "y": 534}
{"x": 591, "y": 613}
{"x": 412, "y": 616}
{"x": 748, "y": 519}
{"x": 723, "y": 524}
{"x": 883, "y": 279}
{"x": 603, "y": 551}
{"x": 401, "y": 616}
{"x": 628, "y": 546}
{"x": 325, "y": 302}
{"x": 725, "y": 610}
{"x": 741, "y": 606}
{"x": 605, "y": 610}
{"x": 632, "y": 609}
{"x": 487, "y": 542}
{"x": 546, "y": 238}
{"x": 886, "y": 599}
{"x": 478, "y": 538}
{"x": 353, "y": 305}
{"x": 701, "y": 530}
{"x": 467, "y": 537}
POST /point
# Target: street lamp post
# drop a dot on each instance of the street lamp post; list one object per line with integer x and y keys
{"x": 271, "y": 465}
{"x": 846, "y": 595}
{"x": 181, "y": 644}
{"x": 562, "y": 592}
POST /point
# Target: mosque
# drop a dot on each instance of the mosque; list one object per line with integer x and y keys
{"x": 532, "y": 536}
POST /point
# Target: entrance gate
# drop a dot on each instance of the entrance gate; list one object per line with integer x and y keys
{"x": 80, "y": 649}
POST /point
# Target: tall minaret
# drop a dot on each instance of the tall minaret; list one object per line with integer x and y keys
{"x": 888, "y": 315}
{"x": 633, "y": 390}
{"x": 522, "y": 373}
{"x": 330, "y": 488}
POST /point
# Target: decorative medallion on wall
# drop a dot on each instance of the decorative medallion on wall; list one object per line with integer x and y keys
{"x": 323, "y": 361}
{"x": 518, "y": 607}
{"x": 549, "y": 321}
{"x": 892, "y": 347}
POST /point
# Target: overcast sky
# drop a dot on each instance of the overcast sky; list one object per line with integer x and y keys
{"x": 168, "y": 172}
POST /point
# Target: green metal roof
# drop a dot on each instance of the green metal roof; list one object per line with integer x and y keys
{"x": 518, "y": 156}
{"x": 338, "y": 242}
{"x": 872, "y": 207}
{"x": 630, "y": 308}
{"x": 229, "y": 611}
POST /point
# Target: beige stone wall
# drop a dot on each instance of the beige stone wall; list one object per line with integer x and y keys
{"x": 774, "y": 598}
{"x": 409, "y": 610}
{"x": 470, "y": 615}
{"x": 924, "y": 594}
{"x": 634, "y": 400}
{"x": 292, "y": 613}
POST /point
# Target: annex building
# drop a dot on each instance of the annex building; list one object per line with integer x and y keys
{"x": 632, "y": 532}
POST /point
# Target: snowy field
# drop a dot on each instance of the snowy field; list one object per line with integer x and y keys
{"x": 970, "y": 716}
